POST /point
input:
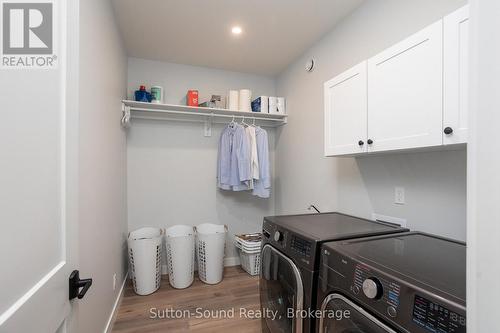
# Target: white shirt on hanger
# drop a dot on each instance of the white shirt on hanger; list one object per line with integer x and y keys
{"x": 254, "y": 159}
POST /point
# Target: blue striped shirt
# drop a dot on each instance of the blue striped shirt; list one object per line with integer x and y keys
{"x": 233, "y": 163}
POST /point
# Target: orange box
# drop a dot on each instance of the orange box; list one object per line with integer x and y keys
{"x": 192, "y": 98}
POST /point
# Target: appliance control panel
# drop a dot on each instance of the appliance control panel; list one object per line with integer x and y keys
{"x": 436, "y": 318}
{"x": 301, "y": 246}
{"x": 377, "y": 288}
{"x": 275, "y": 235}
{"x": 301, "y": 250}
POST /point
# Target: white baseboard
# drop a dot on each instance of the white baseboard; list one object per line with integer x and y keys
{"x": 114, "y": 312}
{"x": 232, "y": 261}
{"x": 228, "y": 262}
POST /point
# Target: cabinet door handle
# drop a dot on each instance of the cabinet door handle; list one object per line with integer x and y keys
{"x": 360, "y": 142}
{"x": 370, "y": 141}
{"x": 448, "y": 130}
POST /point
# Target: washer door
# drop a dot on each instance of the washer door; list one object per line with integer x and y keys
{"x": 358, "y": 321}
{"x": 281, "y": 291}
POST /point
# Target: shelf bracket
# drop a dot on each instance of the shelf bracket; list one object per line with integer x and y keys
{"x": 125, "y": 116}
{"x": 208, "y": 125}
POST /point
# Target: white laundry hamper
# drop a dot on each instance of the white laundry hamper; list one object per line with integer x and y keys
{"x": 210, "y": 247}
{"x": 180, "y": 255}
{"x": 144, "y": 249}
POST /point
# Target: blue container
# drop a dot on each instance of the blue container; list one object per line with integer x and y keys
{"x": 260, "y": 104}
{"x": 142, "y": 95}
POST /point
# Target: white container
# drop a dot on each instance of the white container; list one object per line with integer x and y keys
{"x": 157, "y": 94}
{"x": 245, "y": 100}
{"x": 273, "y": 105}
{"x": 250, "y": 262}
{"x": 180, "y": 255}
{"x": 210, "y": 246}
{"x": 144, "y": 249}
{"x": 233, "y": 100}
{"x": 280, "y": 106}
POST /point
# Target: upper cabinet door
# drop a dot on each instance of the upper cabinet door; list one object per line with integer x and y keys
{"x": 405, "y": 93}
{"x": 456, "y": 76}
{"x": 346, "y": 112}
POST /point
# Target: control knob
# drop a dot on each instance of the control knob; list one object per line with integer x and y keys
{"x": 278, "y": 236}
{"x": 372, "y": 288}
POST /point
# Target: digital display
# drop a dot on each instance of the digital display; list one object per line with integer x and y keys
{"x": 436, "y": 318}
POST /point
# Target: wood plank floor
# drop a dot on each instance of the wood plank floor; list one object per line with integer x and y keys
{"x": 237, "y": 290}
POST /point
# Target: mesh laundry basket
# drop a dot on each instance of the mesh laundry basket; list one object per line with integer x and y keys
{"x": 210, "y": 246}
{"x": 180, "y": 255}
{"x": 249, "y": 249}
{"x": 144, "y": 249}
{"x": 250, "y": 262}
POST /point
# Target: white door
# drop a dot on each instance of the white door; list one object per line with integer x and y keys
{"x": 38, "y": 147}
{"x": 456, "y": 76}
{"x": 405, "y": 93}
{"x": 345, "y": 112}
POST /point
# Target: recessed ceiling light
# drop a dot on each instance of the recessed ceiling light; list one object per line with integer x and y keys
{"x": 236, "y": 30}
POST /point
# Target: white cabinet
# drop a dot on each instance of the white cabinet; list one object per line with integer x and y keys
{"x": 412, "y": 95}
{"x": 405, "y": 95}
{"x": 346, "y": 112}
{"x": 456, "y": 76}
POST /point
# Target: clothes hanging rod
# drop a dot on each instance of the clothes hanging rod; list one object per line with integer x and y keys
{"x": 198, "y": 120}
{"x": 205, "y": 114}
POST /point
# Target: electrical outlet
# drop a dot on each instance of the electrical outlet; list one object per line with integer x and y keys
{"x": 399, "y": 195}
{"x": 114, "y": 281}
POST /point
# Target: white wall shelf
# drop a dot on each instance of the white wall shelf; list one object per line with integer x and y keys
{"x": 172, "y": 112}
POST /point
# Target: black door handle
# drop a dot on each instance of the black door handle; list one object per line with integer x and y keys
{"x": 448, "y": 130}
{"x": 370, "y": 141}
{"x": 75, "y": 284}
{"x": 360, "y": 142}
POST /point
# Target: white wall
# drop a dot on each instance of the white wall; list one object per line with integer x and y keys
{"x": 172, "y": 166}
{"x": 483, "y": 232}
{"x": 102, "y": 198}
{"x": 434, "y": 182}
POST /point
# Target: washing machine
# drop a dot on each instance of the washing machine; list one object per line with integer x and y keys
{"x": 290, "y": 261}
{"x": 411, "y": 282}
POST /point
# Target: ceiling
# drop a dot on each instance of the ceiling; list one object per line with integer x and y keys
{"x": 198, "y": 32}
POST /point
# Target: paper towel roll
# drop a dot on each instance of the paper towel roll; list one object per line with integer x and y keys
{"x": 245, "y": 100}
{"x": 233, "y": 100}
{"x": 273, "y": 104}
